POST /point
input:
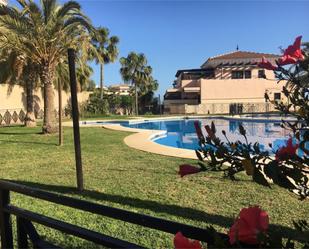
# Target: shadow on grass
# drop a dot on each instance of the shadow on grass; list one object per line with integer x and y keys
{"x": 169, "y": 209}
{"x": 21, "y": 133}
{"x": 5, "y": 130}
{"x": 26, "y": 142}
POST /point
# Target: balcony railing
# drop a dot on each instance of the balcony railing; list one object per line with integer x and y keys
{"x": 181, "y": 101}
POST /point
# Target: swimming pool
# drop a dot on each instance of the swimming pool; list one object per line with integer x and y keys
{"x": 181, "y": 133}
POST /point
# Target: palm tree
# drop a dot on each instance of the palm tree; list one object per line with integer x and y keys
{"x": 106, "y": 49}
{"x": 43, "y": 33}
{"x": 134, "y": 70}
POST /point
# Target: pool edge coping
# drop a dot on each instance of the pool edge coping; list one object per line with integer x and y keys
{"x": 141, "y": 139}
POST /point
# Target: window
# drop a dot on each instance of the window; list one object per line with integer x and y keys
{"x": 261, "y": 74}
{"x": 237, "y": 74}
{"x": 247, "y": 74}
{"x": 277, "y": 96}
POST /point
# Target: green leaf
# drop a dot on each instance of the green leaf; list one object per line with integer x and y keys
{"x": 202, "y": 165}
{"x": 271, "y": 170}
{"x": 306, "y": 136}
{"x": 199, "y": 155}
{"x": 213, "y": 128}
{"x": 242, "y": 130}
{"x": 259, "y": 178}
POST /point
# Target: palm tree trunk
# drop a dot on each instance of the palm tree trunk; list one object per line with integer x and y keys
{"x": 136, "y": 101}
{"x": 60, "y": 113}
{"x": 101, "y": 79}
{"x": 30, "y": 117}
{"x": 49, "y": 122}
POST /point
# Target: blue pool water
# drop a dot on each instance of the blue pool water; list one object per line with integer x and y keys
{"x": 181, "y": 133}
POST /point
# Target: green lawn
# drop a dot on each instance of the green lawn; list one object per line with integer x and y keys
{"x": 122, "y": 177}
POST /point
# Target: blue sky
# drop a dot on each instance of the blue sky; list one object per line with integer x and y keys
{"x": 183, "y": 34}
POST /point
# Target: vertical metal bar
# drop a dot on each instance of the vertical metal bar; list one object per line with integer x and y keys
{"x": 60, "y": 112}
{"x": 75, "y": 116}
{"x": 22, "y": 240}
{"x": 5, "y": 221}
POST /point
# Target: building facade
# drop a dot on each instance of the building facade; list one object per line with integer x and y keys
{"x": 119, "y": 89}
{"x": 229, "y": 83}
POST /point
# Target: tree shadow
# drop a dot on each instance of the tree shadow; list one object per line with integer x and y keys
{"x": 20, "y": 133}
{"x": 23, "y": 132}
{"x": 25, "y": 142}
{"x": 169, "y": 209}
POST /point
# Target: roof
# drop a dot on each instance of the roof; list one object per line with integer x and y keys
{"x": 242, "y": 55}
{"x": 120, "y": 86}
{"x": 237, "y": 56}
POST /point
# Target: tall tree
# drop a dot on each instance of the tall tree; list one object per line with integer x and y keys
{"x": 43, "y": 33}
{"x": 107, "y": 51}
{"x": 134, "y": 70}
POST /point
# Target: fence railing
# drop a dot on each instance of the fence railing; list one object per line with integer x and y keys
{"x": 219, "y": 108}
{"x": 26, "y": 230}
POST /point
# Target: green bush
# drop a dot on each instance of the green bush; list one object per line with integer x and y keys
{"x": 81, "y": 108}
{"x": 96, "y": 105}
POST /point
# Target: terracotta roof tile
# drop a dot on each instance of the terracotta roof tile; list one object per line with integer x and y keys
{"x": 242, "y": 55}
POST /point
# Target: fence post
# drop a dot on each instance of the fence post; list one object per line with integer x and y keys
{"x": 5, "y": 221}
{"x": 75, "y": 116}
{"x": 22, "y": 240}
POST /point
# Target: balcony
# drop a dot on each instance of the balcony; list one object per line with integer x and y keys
{"x": 181, "y": 101}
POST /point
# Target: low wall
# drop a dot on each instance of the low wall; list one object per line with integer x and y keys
{"x": 175, "y": 109}
{"x": 219, "y": 108}
{"x": 13, "y": 103}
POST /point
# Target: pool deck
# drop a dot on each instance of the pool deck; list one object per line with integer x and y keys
{"x": 141, "y": 139}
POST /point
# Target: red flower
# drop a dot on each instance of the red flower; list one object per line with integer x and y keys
{"x": 198, "y": 129}
{"x": 249, "y": 224}
{"x": 267, "y": 64}
{"x": 186, "y": 169}
{"x": 287, "y": 59}
{"x": 181, "y": 242}
{"x": 287, "y": 151}
{"x": 292, "y": 54}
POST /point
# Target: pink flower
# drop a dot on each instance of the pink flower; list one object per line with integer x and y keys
{"x": 292, "y": 54}
{"x": 267, "y": 64}
{"x": 181, "y": 242}
{"x": 186, "y": 169}
{"x": 250, "y": 222}
{"x": 198, "y": 129}
{"x": 287, "y": 151}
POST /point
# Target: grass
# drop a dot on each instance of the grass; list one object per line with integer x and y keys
{"x": 122, "y": 177}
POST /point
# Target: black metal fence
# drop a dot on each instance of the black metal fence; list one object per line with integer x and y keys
{"x": 26, "y": 231}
